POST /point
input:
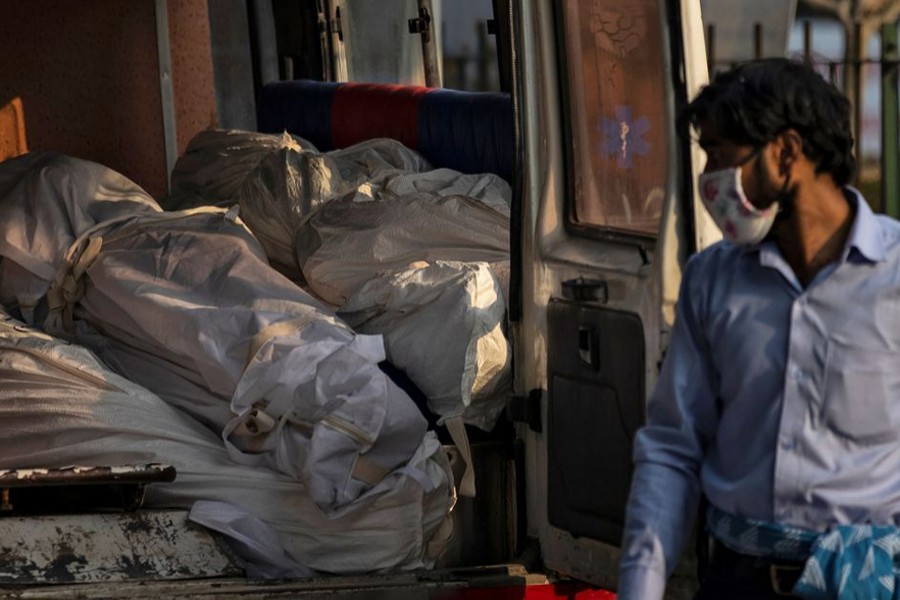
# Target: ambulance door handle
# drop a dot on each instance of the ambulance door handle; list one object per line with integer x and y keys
{"x": 589, "y": 347}
{"x": 586, "y": 290}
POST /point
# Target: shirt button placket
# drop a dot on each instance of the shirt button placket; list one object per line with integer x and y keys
{"x": 788, "y": 482}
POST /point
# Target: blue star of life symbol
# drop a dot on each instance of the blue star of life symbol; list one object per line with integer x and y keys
{"x": 624, "y": 137}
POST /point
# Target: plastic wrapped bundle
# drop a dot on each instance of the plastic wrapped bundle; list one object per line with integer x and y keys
{"x": 463, "y": 367}
{"x": 360, "y": 216}
{"x": 60, "y": 406}
{"x": 350, "y": 240}
{"x": 185, "y": 304}
{"x": 278, "y": 181}
{"x": 217, "y": 162}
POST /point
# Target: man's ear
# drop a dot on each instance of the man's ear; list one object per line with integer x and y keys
{"x": 790, "y": 149}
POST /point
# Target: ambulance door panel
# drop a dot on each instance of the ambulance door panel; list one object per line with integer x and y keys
{"x": 608, "y": 219}
{"x": 596, "y": 358}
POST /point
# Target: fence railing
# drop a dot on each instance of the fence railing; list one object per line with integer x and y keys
{"x": 474, "y": 69}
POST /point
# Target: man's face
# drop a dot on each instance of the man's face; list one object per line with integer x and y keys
{"x": 757, "y": 177}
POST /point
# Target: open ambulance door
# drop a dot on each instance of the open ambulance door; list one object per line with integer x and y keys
{"x": 389, "y": 41}
{"x": 608, "y": 217}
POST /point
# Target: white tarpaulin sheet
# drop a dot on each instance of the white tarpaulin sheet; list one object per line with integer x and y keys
{"x": 60, "y": 406}
{"x": 184, "y": 304}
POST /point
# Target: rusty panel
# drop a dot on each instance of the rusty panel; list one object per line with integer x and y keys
{"x": 12, "y": 130}
{"x": 88, "y": 76}
{"x": 148, "y": 545}
{"x": 192, "y": 68}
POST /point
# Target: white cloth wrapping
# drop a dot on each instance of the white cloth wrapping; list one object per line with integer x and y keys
{"x": 359, "y": 216}
{"x": 217, "y": 162}
{"x": 60, "y": 406}
{"x": 464, "y": 368}
{"x": 38, "y": 233}
{"x": 220, "y": 166}
{"x": 442, "y": 324}
{"x": 348, "y": 241}
{"x": 488, "y": 188}
{"x": 184, "y": 304}
{"x": 279, "y": 180}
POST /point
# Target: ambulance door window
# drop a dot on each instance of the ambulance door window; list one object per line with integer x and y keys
{"x": 614, "y": 55}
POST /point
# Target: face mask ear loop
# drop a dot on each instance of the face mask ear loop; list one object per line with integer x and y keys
{"x": 785, "y": 170}
{"x": 750, "y": 156}
{"x": 784, "y": 192}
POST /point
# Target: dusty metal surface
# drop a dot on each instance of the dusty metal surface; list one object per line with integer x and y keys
{"x": 144, "y": 545}
{"x": 497, "y": 583}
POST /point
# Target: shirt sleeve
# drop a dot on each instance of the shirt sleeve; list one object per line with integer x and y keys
{"x": 669, "y": 451}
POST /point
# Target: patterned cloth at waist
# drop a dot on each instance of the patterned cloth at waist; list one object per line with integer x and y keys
{"x": 848, "y": 562}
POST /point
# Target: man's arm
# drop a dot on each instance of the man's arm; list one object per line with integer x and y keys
{"x": 668, "y": 452}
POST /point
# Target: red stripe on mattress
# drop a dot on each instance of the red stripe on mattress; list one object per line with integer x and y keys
{"x": 362, "y": 111}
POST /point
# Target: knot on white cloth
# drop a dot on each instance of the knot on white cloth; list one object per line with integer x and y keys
{"x": 67, "y": 288}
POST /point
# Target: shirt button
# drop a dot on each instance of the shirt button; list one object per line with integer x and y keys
{"x": 788, "y": 444}
{"x": 797, "y": 373}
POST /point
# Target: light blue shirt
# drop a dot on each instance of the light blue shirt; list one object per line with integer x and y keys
{"x": 781, "y": 403}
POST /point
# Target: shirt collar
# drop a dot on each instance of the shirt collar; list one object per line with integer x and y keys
{"x": 866, "y": 235}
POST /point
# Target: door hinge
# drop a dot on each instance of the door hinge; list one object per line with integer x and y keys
{"x": 421, "y": 24}
{"x": 337, "y": 26}
{"x": 526, "y": 409}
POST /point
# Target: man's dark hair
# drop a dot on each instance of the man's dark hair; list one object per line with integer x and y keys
{"x": 755, "y": 101}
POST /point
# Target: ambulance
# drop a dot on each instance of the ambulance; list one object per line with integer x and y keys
{"x": 603, "y": 214}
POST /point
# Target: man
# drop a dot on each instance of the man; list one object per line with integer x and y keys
{"x": 779, "y": 400}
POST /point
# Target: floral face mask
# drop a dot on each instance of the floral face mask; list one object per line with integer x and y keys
{"x": 724, "y": 198}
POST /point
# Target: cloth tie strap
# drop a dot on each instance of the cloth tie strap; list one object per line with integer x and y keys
{"x": 67, "y": 288}
{"x": 457, "y": 429}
